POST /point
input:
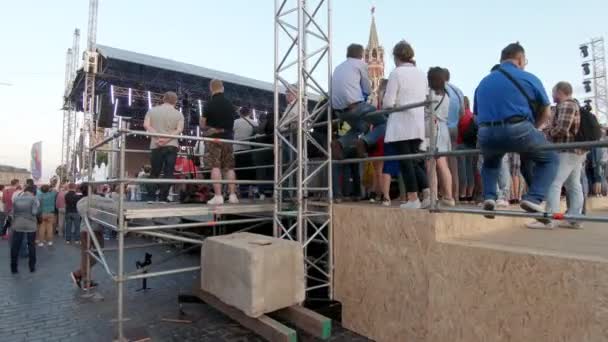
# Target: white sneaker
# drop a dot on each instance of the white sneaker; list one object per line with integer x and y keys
{"x": 262, "y": 197}
{"x": 501, "y": 203}
{"x": 216, "y": 200}
{"x": 534, "y": 208}
{"x": 386, "y": 202}
{"x": 531, "y": 207}
{"x": 447, "y": 202}
{"x": 232, "y": 199}
{"x": 570, "y": 225}
{"x": 540, "y": 225}
{"x": 426, "y": 203}
{"x": 411, "y": 205}
{"x": 40, "y": 244}
{"x": 50, "y": 243}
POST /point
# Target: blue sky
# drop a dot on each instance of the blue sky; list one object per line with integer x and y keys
{"x": 237, "y": 36}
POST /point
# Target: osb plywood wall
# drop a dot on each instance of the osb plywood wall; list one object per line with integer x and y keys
{"x": 397, "y": 283}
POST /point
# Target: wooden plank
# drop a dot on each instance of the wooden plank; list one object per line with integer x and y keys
{"x": 313, "y": 323}
{"x": 264, "y": 326}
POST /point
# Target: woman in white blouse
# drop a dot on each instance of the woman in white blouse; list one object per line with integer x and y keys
{"x": 439, "y": 125}
{"x": 405, "y": 129}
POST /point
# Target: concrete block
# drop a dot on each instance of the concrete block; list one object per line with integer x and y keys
{"x": 256, "y": 274}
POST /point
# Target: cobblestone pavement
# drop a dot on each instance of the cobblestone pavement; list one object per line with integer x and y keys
{"x": 45, "y": 306}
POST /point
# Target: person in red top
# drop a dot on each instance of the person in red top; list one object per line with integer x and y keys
{"x": 7, "y": 199}
{"x": 466, "y": 164}
{"x": 378, "y": 151}
{"x": 7, "y": 195}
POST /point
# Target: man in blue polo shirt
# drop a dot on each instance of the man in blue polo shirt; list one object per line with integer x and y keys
{"x": 511, "y": 104}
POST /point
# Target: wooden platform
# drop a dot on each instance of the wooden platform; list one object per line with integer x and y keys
{"x": 405, "y": 275}
{"x": 271, "y": 329}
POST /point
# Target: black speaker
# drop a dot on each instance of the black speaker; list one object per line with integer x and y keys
{"x": 106, "y": 112}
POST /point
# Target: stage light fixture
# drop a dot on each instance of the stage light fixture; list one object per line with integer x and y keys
{"x": 584, "y": 51}
{"x": 587, "y": 85}
{"x": 200, "y": 107}
{"x": 149, "y": 100}
{"x": 115, "y": 107}
{"x": 130, "y": 97}
{"x": 112, "y": 93}
{"x": 586, "y": 68}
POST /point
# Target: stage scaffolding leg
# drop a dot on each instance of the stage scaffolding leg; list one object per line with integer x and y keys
{"x": 121, "y": 237}
{"x": 303, "y": 41}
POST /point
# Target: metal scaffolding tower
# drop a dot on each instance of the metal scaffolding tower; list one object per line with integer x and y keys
{"x": 70, "y": 124}
{"x": 597, "y": 58}
{"x": 303, "y": 67}
{"x": 65, "y": 142}
{"x": 90, "y": 69}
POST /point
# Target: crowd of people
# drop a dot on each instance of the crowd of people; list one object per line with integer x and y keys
{"x": 34, "y": 217}
{"x": 511, "y": 118}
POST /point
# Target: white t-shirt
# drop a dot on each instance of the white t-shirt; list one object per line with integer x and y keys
{"x": 406, "y": 84}
{"x": 164, "y": 119}
{"x": 243, "y": 128}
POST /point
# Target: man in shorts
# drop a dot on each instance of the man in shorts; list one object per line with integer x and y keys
{"x": 218, "y": 122}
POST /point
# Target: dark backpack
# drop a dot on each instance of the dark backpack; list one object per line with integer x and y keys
{"x": 589, "y": 129}
{"x": 469, "y": 136}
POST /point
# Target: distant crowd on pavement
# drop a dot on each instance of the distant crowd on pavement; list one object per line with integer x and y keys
{"x": 35, "y": 216}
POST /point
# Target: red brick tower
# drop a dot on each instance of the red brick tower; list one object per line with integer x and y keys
{"x": 374, "y": 57}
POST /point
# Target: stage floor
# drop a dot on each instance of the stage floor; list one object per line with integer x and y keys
{"x": 144, "y": 210}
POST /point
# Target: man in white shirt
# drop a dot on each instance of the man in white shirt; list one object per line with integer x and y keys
{"x": 163, "y": 119}
{"x": 350, "y": 88}
{"x": 244, "y": 127}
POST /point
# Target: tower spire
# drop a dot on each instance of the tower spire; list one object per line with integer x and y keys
{"x": 373, "y": 32}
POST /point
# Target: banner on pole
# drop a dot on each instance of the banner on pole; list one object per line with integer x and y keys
{"x": 36, "y": 165}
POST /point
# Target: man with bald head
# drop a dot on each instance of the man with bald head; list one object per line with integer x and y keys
{"x": 163, "y": 119}
{"x": 218, "y": 122}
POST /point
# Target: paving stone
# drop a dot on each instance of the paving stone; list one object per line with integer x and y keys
{"x": 45, "y": 306}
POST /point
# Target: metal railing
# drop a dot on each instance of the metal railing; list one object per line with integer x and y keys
{"x": 161, "y": 231}
{"x": 157, "y": 231}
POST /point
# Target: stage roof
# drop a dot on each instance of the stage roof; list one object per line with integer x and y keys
{"x": 143, "y": 72}
{"x": 168, "y": 64}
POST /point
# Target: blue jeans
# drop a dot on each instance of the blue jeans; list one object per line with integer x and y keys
{"x": 522, "y": 138}
{"x": 466, "y": 170}
{"x": 18, "y": 239}
{"x": 359, "y": 123}
{"x": 72, "y": 227}
{"x": 504, "y": 179}
{"x": 568, "y": 176}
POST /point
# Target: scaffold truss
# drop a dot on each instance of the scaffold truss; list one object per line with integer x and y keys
{"x": 303, "y": 193}
{"x": 599, "y": 78}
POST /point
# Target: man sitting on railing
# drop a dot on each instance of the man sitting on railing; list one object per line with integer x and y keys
{"x": 511, "y": 104}
{"x": 350, "y": 88}
{"x": 218, "y": 122}
{"x": 163, "y": 119}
